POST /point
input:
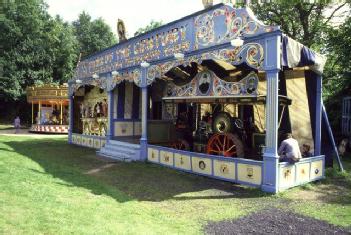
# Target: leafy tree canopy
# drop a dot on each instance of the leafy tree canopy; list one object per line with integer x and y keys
{"x": 152, "y": 25}
{"x": 92, "y": 35}
{"x": 302, "y": 20}
{"x": 37, "y": 48}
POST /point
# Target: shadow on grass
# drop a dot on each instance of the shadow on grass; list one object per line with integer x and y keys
{"x": 335, "y": 189}
{"x": 79, "y": 167}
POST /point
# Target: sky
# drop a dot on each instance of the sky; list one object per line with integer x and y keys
{"x": 135, "y": 14}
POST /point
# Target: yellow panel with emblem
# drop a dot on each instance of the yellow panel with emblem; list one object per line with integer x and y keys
{"x": 316, "y": 169}
{"x": 166, "y": 158}
{"x": 182, "y": 161}
{"x": 74, "y": 139}
{"x": 97, "y": 143}
{"x": 302, "y": 172}
{"x": 152, "y": 155}
{"x": 286, "y": 176}
{"x": 224, "y": 169}
{"x": 102, "y": 143}
{"x": 250, "y": 173}
{"x": 91, "y": 142}
{"x": 84, "y": 141}
{"x": 201, "y": 165}
{"x": 79, "y": 139}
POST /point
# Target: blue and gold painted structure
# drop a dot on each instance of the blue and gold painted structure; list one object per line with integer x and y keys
{"x": 209, "y": 34}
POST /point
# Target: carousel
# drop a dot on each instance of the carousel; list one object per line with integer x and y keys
{"x": 209, "y": 94}
{"x": 49, "y": 108}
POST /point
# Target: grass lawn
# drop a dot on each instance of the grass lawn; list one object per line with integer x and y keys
{"x": 48, "y": 186}
{"x": 10, "y": 127}
{"x": 6, "y": 127}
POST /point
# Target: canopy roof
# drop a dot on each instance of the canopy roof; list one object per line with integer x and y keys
{"x": 47, "y": 93}
{"x": 203, "y": 36}
{"x": 295, "y": 54}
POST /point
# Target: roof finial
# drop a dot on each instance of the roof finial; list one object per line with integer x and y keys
{"x": 207, "y": 3}
{"x": 121, "y": 30}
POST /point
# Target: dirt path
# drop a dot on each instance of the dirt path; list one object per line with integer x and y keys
{"x": 274, "y": 221}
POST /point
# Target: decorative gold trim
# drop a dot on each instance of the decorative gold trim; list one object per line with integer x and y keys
{"x": 47, "y": 92}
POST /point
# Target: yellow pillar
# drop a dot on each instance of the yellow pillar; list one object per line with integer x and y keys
{"x": 61, "y": 113}
{"x": 32, "y": 113}
{"x": 39, "y": 113}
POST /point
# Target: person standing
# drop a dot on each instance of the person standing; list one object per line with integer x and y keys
{"x": 17, "y": 124}
{"x": 289, "y": 150}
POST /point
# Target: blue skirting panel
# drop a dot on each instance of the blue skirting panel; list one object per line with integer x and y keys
{"x": 238, "y": 170}
{"x": 90, "y": 141}
{"x": 304, "y": 171}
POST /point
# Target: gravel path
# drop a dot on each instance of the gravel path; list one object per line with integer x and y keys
{"x": 274, "y": 221}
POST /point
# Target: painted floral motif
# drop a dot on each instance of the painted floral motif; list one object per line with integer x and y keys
{"x": 238, "y": 22}
{"x": 206, "y": 83}
{"x": 129, "y": 76}
{"x": 251, "y": 53}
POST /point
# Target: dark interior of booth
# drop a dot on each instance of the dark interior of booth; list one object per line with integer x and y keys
{"x": 216, "y": 132}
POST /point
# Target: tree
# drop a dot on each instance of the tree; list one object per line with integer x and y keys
{"x": 317, "y": 25}
{"x": 338, "y": 71}
{"x": 36, "y": 48}
{"x": 65, "y": 49}
{"x": 24, "y": 44}
{"x": 92, "y": 35}
{"x": 305, "y": 22}
{"x": 152, "y": 25}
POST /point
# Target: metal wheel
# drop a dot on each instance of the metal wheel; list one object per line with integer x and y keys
{"x": 225, "y": 144}
{"x": 222, "y": 123}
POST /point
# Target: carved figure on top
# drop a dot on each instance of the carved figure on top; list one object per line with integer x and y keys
{"x": 121, "y": 30}
{"x": 207, "y": 3}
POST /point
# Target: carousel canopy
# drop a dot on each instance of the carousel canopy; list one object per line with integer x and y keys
{"x": 47, "y": 93}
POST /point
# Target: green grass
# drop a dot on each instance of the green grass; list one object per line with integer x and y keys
{"x": 6, "y": 127}
{"x": 10, "y": 127}
{"x": 50, "y": 187}
{"x": 328, "y": 200}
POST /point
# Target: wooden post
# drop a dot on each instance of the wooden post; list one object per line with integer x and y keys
{"x": 39, "y": 113}
{"x": 61, "y": 113}
{"x": 32, "y": 113}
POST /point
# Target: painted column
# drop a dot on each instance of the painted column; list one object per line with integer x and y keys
{"x": 318, "y": 121}
{"x": 144, "y": 102}
{"x": 109, "y": 115}
{"x": 61, "y": 116}
{"x": 70, "y": 128}
{"x": 39, "y": 113}
{"x": 270, "y": 156}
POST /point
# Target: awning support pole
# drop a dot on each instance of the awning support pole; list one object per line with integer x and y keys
{"x": 61, "y": 116}
{"x": 32, "y": 113}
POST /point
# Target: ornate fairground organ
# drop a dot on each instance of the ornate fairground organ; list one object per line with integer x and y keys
{"x": 93, "y": 111}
